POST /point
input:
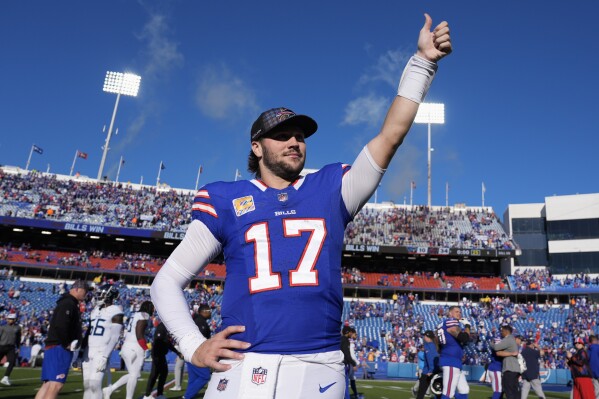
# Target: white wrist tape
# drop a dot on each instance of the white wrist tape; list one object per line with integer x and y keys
{"x": 189, "y": 343}
{"x": 416, "y": 79}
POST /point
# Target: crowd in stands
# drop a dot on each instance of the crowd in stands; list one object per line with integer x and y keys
{"x": 541, "y": 279}
{"x": 45, "y": 196}
{"x": 422, "y": 226}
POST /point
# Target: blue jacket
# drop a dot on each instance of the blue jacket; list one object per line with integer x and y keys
{"x": 431, "y": 358}
{"x": 594, "y": 359}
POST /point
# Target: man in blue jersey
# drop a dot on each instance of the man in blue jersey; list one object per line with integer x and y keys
{"x": 452, "y": 337}
{"x": 281, "y": 234}
{"x": 494, "y": 373}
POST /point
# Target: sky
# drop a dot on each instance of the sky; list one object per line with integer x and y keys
{"x": 520, "y": 90}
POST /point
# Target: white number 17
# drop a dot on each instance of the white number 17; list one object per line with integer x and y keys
{"x": 304, "y": 274}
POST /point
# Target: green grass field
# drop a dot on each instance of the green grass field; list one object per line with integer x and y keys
{"x": 26, "y": 382}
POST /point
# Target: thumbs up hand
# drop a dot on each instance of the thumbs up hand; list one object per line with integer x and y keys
{"x": 436, "y": 44}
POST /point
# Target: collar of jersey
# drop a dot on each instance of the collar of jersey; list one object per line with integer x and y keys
{"x": 263, "y": 187}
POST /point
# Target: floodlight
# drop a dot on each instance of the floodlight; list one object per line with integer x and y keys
{"x": 118, "y": 83}
{"x": 430, "y": 113}
{"x": 122, "y": 83}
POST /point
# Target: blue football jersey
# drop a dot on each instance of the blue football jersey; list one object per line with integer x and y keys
{"x": 451, "y": 351}
{"x": 282, "y": 250}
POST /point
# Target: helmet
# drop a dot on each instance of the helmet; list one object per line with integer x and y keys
{"x": 106, "y": 294}
{"x": 437, "y": 384}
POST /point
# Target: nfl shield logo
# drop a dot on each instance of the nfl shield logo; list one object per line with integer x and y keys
{"x": 259, "y": 376}
{"x": 282, "y": 197}
{"x": 222, "y": 384}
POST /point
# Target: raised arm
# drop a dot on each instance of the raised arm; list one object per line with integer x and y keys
{"x": 414, "y": 84}
{"x": 370, "y": 165}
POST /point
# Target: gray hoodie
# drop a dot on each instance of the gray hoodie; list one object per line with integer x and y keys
{"x": 510, "y": 363}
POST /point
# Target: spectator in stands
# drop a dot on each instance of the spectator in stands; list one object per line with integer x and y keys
{"x": 10, "y": 340}
{"x": 578, "y": 361}
{"x": 64, "y": 336}
{"x": 531, "y": 377}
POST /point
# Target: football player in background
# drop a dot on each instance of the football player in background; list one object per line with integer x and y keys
{"x": 282, "y": 236}
{"x": 133, "y": 350}
{"x": 106, "y": 323}
{"x": 452, "y": 339}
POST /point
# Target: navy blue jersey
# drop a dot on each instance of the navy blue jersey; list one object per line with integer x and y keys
{"x": 451, "y": 352}
{"x": 282, "y": 250}
{"x": 496, "y": 363}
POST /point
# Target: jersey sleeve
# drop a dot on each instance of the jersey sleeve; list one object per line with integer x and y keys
{"x": 360, "y": 181}
{"x": 205, "y": 210}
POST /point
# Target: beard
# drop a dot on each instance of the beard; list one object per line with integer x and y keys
{"x": 285, "y": 170}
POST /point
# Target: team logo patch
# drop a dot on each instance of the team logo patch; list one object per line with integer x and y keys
{"x": 61, "y": 376}
{"x": 259, "y": 375}
{"x": 284, "y": 114}
{"x": 282, "y": 197}
{"x": 244, "y": 205}
{"x": 222, "y": 384}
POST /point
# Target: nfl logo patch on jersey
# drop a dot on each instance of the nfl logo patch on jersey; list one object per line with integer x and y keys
{"x": 244, "y": 205}
{"x": 222, "y": 384}
{"x": 282, "y": 197}
{"x": 259, "y": 375}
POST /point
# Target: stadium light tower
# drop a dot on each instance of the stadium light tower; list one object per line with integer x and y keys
{"x": 430, "y": 113}
{"x": 118, "y": 83}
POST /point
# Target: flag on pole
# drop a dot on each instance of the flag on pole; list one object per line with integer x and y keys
{"x": 37, "y": 149}
{"x": 122, "y": 161}
{"x": 201, "y": 169}
{"x": 484, "y": 188}
{"x": 162, "y": 166}
{"x": 82, "y": 154}
{"x": 413, "y": 184}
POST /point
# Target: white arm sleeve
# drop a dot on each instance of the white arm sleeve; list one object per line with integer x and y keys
{"x": 360, "y": 182}
{"x": 195, "y": 251}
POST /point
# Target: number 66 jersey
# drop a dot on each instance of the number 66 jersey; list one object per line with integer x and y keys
{"x": 282, "y": 251}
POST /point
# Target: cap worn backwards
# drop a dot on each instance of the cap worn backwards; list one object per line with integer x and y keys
{"x": 281, "y": 117}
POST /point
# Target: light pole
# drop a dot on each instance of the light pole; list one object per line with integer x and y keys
{"x": 430, "y": 113}
{"x": 118, "y": 83}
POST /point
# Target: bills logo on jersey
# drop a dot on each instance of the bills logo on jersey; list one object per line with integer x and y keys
{"x": 244, "y": 205}
{"x": 259, "y": 375}
{"x": 222, "y": 384}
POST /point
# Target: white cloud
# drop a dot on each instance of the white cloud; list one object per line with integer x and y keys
{"x": 222, "y": 95}
{"x": 161, "y": 51}
{"x": 369, "y": 109}
{"x": 388, "y": 68}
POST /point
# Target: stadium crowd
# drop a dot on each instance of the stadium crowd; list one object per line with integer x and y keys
{"x": 45, "y": 196}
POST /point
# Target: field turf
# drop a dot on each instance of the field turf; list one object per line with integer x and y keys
{"x": 26, "y": 382}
